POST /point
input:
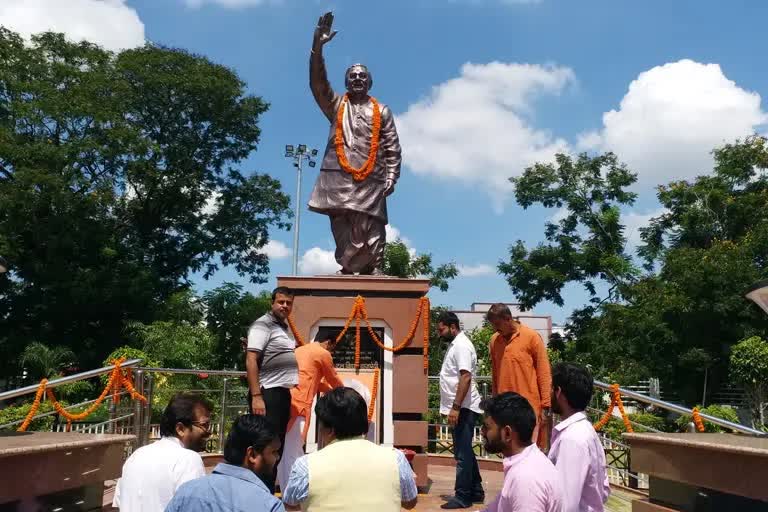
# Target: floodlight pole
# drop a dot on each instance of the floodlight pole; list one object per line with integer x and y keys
{"x": 298, "y": 155}
{"x": 297, "y": 214}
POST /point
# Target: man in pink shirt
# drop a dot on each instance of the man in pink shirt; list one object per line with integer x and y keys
{"x": 531, "y": 483}
{"x": 576, "y": 451}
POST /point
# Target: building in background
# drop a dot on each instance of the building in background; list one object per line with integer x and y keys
{"x": 474, "y": 318}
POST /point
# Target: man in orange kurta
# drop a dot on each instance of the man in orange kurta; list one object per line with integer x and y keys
{"x": 519, "y": 363}
{"x": 316, "y": 374}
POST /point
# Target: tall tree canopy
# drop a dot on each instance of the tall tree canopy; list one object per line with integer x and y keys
{"x": 701, "y": 255}
{"x": 118, "y": 178}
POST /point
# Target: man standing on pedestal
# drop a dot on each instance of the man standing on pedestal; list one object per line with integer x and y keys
{"x": 271, "y": 367}
{"x": 460, "y": 401}
{"x": 361, "y": 164}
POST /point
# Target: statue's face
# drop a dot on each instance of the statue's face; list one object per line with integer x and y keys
{"x": 358, "y": 80}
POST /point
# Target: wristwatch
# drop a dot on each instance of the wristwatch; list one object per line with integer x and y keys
{"x": 456, "y": 407}
{"x": 547, "y": 412}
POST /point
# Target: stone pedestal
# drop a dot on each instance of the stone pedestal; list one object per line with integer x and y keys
{"x": 698, "y": 472}
{"x": 322, "y": 305}
{"x": 58, "y": 470}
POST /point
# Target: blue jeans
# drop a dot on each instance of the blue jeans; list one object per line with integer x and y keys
{"x": 469, "y": 485}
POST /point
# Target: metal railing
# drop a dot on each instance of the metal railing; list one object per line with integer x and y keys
{"x": 128, "y": 423}
{"x": 669, "y": 406}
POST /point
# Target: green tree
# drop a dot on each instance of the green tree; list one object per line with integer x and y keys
{"x": 118, "y": 178}
{"x": 587, "y": 245}
{"x": 229, "y": 313}
{"x": 749, "y": 367}
{"x": 175, "y": 345}
{"x": 42, "y": 361}
{"x": 399, "y": 262}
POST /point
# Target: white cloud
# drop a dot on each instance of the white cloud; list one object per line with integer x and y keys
{"x": 230, "y": 4}
{"x": 481, "y": 269}
{"x": 633, "y": 221}
{"x": 318, "y": 261}
{"x": 672, "y": 117}
{"x": 475, "y": 128}
{"x": 276, "y": 250}
{"x": 109, "y": 23}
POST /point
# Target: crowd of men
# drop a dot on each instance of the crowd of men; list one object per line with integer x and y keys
{"x": 264, "y": 450}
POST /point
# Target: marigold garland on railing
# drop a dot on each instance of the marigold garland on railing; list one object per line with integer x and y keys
{"x": 35, "y": 406}
{"x": 615, "y": 402}
{"x": 117, "y": 379}
{"x": 697, "y": 420}
{"x": 360, "y": 313}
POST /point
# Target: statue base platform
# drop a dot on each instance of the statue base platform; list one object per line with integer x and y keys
{"x": 322, "y": 305}
{"x": 58, "y": 470}
{"x": 701, "y": 472}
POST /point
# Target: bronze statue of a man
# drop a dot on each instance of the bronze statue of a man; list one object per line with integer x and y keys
{"x": 361, "y": 164}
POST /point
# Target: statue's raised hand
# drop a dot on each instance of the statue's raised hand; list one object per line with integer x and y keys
{"x": 324, "y": 31}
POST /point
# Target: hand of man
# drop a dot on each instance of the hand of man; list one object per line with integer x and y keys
{"x": 258, "y": 406}
{"x": 389, "y": 187}
{"x": 453, "y": 417}
{"x": 323, "y": 31}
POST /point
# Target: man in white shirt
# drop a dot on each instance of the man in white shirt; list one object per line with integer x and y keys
{"x": 576, "y": 450}
{"x": 460, "y": 401}
{"x": 154, "y": 472}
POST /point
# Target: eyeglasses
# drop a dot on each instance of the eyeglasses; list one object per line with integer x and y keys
{"x": 205, "y": 427}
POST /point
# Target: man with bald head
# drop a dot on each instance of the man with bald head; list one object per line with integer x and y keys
{"x": 361, "y": 163}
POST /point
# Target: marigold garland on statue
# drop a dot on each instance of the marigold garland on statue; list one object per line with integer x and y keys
{"x": 374, "y": 393}
{"x": 360, "y": 313}
{"x": 370, "y": 164}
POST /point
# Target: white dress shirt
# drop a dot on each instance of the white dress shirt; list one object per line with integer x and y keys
{"x": 579, "y": 458}
{"x": 461, "y": 355}
{"x": 153, "y": 473}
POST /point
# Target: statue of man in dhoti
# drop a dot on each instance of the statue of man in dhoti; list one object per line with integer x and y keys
{"x": 361, "y": 164}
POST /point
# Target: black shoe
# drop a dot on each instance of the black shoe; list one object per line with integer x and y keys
{"x": 454, "y": 504}
{"x": 480, "y": 498}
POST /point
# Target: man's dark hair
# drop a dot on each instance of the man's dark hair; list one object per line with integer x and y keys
{"x": 575, "y": 382}
{"x": 449, "y": 318}
{"x": 282, "y": 290}
{"x": 251, "y": 430}
{"x": 181, "y": 409}
{"x": 512, "y": 410}
{"x": 498, "y": 311}
{"x": 344, "y": 411}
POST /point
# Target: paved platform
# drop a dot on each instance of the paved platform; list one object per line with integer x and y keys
{"x": 441, "y": 484}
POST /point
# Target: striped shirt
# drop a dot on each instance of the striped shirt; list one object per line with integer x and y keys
{"x": 277, "y": 362}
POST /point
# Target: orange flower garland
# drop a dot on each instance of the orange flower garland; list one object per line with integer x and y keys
{"x": 370, "y": 164}
{"x": 374, "y": 393}
{"x": 697, "y": 420}
{"x": 116, "y": 380}
{"x": 360, "y": 313}
{"x": 615, "y": 401}
{"x": 35, "y": 405}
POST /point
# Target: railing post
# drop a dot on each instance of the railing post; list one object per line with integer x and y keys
{"x": 137, "y": 408}
{"x": 148, "y": 407}
{"x": 223, "y": 414}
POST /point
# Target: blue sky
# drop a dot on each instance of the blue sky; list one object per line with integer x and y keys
{"x": 480, "y": 89}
